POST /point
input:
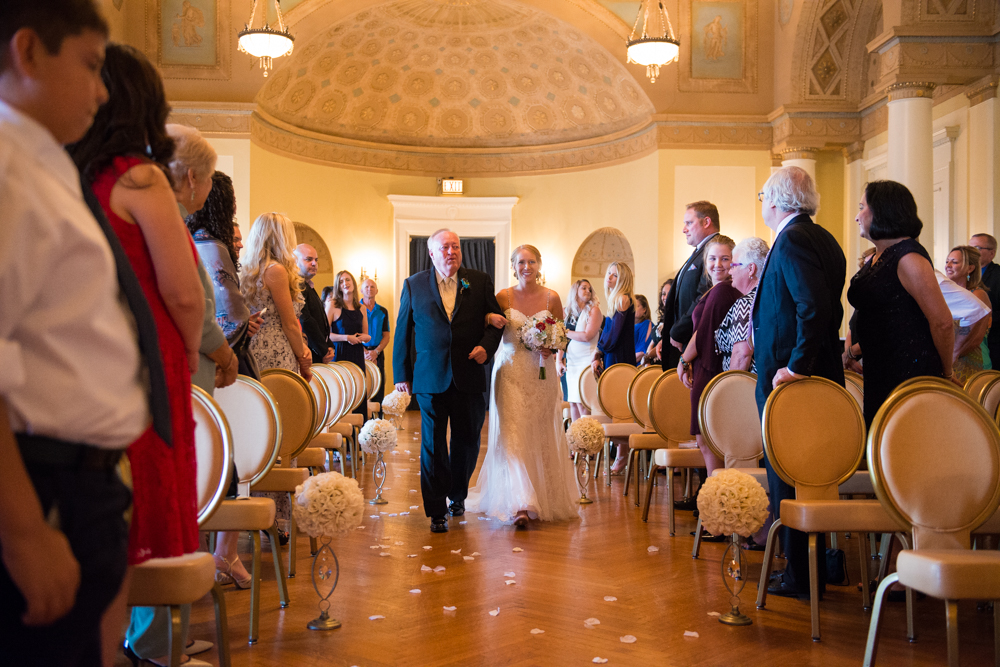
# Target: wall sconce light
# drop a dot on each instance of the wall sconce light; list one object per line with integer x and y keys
{"x": 365, "y": 276}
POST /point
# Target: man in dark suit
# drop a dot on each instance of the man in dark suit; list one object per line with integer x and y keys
{"x": 442, "y": 323}
{"x": 987, "y": 246}
{"x": 701, "y": 223}
{"x": 796, "y": 328}
{"x": 313, "y": 316}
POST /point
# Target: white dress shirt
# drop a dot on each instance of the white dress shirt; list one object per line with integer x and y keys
{"x": 448, "y": 289}
{"x": 69, "y": 358}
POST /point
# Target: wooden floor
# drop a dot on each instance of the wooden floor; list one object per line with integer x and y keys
{"x": 563, "y": 575}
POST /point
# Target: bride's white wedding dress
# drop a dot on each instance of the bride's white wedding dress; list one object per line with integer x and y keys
{"x": 527, "y": 466}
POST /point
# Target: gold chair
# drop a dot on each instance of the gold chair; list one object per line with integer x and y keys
{"x": 374, "y": 376}
{"x": 935, "y": 463}
{"x": 612, "y": 396}
{"x": 329, "y": 441}
{"x": 314, "y": 455}
{"x": 814, "y": 437}
{"x": 855, "y": 386}
{"x": 256, "y": 429}
{"x": 989, "y": 396}
{"x": 297, "y": 412}
{"x": 588, "y": 397}
{"x": 730, "y": 426}
{"x": 670, "y": 416}
{"x": 638, "y": 406}
{"x": 977, "y": 381}
{"x": 172, "y": 582}
{"x": 349, "y": 423}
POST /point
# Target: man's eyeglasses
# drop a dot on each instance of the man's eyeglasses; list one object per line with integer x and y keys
{"x": 760, "y": 196}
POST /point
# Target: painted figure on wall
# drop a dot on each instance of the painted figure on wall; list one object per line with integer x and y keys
{"x": 190, "y": 19}
{"x": 716, "y": 37}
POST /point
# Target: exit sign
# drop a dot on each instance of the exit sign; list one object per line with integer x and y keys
{"x": 451, "y": 186}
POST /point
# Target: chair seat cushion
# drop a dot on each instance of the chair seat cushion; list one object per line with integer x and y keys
{"x": 827, "y": 516}
{"x": 679, "y": 458}
{"x": 601, "y": 418}
{"x": 951, "y": 574}
{"x": 353, "y": 420}
{"x": 282, "y": 479}
{"x": 859, "y": 484}
{"x": 172, "y": 581}
{"x": 242, "y": 514}
{"x": 374, "y": 406}
{"x": 342, "y": 429}
{"x": 621, "y": 429}
{"x": 646, "y": 441}
{"x": 311, "y": 457}
{"x": 759, "y": 474}
{"x": 327, "y": 441}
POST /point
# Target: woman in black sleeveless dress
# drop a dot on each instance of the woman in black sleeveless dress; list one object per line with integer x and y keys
{"x": 904, "y": 327}
{"x": 348, "y": 325}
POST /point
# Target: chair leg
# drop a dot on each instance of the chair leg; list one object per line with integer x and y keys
{"x": 951, "y": 623}
{"x": 910, "y": 628}
{"x": 885, "y": 547}
{"x": 255, "y": 581}
{"x": 597, "y": 462}
{"x": 638, "y": 477}
{"x": 629, "y": 464}
{"x": 765, "y": 570}
{"x": 221, "y": 625}
{"x": 313, "y": 546}
{"x": 866, "y": 593}
{"x": 645, "y": 508}
{"x": 833, "y": 540}
{"x": 871, "y": 648}
{"x": 279, "y": 573}
{"x": 697, "y": 539}
{"x": 814, "y": 586}
{"x": 293, "y": 538}
{"x": 607, "y": 461}
{"x": 175, "y": 637}
{"x": 996, "y": 633}
{"x": 688, "y": 483}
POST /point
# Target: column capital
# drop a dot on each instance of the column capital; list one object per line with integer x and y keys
{"x": 982, "y": 90}
{"x": 797, "y": 153}
{"x": 775, "y": 160}
{"x": 910, "y": 89}
{"x": 854, "y": 152}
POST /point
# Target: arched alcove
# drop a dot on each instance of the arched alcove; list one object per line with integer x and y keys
{"x": 602, "y": 247}
{"x": 306, "y": 234}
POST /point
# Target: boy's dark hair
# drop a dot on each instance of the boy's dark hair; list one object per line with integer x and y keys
{"x": 53, "y": 20}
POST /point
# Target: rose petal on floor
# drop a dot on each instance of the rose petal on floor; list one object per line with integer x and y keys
{"x": 517, "y": 550}
{"x": 462, "y": 523}
{"x": 404, "y": 514}
{"x": 450, "y": 608}
{"x": 610, "y": 598}
{"x": 373, "y": 516}
{"x": 714, "y": 613}
{"x": 428, "y": 548}
{"x": 599, "y": 661}
{"x": 468, "y": 559}
{"x": 398, "y": 543}
{"x": 414, "y": 507}
{"x": 385, "y": 553}
{"x": 627, "y": 639}
{"x": 411, "y": 555}
{"x": 393, "y": 514}
{"x": 510, "y": 582}
{"x": 591, "y": 621}
{"x": 424, "y": 568}
{"x": 439, "y": 569}
{"x": 374, "y": 546}
{"x": 456, "y": 551}
{"x": 652, "y": 550}
{"x": 495, "y": 612}
{"x": 375, "y": 617}
{"x": 509, "y": 574}
{"x": 361, "y": 527}
{"x": 413, "y": 490}
{"x": 691, "y": 633}
{"x": 536, "y": 631}
{"x": 475, "y": 553}
{"x": 415, "y": 591}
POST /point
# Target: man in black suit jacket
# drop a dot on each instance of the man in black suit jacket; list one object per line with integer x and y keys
{"x": 701, "y": 223}
{"x": 442, "y": 323}
{"x": 313, "y": 316}
{"x": 796, "y": 328}
{"x": 987, "y": 246}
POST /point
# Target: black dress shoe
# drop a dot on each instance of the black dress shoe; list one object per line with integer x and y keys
{"x": 457, "y": 508}
{"x": 687, "y": 505}
{"x": 439, "y": 524}
{"x": 782, "y": 589}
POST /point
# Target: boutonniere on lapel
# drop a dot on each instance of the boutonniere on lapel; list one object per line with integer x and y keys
{"x": 464, "y": 283}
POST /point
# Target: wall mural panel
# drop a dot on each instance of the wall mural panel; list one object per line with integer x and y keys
{"x": 192, "y": 38}
{"x": 718, "y": 46}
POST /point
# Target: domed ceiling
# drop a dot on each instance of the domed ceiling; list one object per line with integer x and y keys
{"x": 454, "y": 74}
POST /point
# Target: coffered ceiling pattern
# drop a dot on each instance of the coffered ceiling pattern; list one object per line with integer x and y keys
{"x": 454, "y": 73}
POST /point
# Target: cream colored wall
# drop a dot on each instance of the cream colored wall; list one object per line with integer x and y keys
{"x": 234, "y": 160}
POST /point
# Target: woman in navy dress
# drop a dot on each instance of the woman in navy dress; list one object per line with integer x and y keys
{"x": 349, "y": 326}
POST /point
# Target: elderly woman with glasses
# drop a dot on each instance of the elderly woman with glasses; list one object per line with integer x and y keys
{"x": 734, "y": 331}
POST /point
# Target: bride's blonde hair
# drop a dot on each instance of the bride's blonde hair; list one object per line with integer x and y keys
{"x": 271, "y": 240}
{"x": 622, "y": 289}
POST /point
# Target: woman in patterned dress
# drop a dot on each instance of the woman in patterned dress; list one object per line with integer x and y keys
{"x": 733, "y": 333}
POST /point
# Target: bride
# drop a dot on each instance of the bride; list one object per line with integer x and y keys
{"x": 526, "y": 473}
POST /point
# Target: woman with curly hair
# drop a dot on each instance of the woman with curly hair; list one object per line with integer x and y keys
{"x": 270, "y": 283}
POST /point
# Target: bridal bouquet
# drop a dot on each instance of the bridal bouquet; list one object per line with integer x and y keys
{"x": 732, "y": 502}
{"x": 377, "y": 436}
{"x": 396, "y": 403}
{"x": 543, "y": 332}
{"x": 328, "y": 503}
{"x": 585, "y": 436}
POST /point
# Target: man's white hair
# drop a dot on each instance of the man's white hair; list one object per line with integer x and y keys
{"x": 791, "y": 189}
{"x": 433, "y": 238}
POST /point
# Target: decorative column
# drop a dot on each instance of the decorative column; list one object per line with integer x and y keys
{"x": 854, "y": 187}
{"x": 984, "y": 156}
{"x": 800, "y": 157}
{"x": 911, "y": 155}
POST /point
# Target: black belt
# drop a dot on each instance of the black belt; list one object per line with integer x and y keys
{"x": 43, "y": 450}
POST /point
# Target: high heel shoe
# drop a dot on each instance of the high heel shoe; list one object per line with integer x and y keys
{"x": 616, "y": 470}
{"x": 224, "y": 575}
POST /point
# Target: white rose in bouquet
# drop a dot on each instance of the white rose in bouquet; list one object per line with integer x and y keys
{"x": 328, "y": 503}
{"x": 585, "y": 435}
{"x": 732, "y": 502}
{"x": 377, "y": 435}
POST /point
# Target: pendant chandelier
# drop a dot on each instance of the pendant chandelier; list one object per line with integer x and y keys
{"x": 656, "y": 44}
{"x": 266, "y": 42}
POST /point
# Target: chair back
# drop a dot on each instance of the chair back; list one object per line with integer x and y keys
{"x": 213, "y": 445}
{"x": 934, "y": 459}
{"x": 814, "y": 436}
{"x": 730, "y": 423}
{"x": 855, "y": 386}
{"x": 989, "y": 397}
{"x": 350, "y": 384}
{"x": 321, "y": 395}
{"x": 669, "y": 408}
{"x": 588, "y": 392}
{"x": 612, "y": 391}
{"x": 374, "y": 376}
{"x": 337, "y": 389}
{"x": 977, "y": 381}
{"x": 296, "y": 410}
{"x": 360, "y": 388}
{"x": 256, "y": 428}
{"x": 638, "y": 394}
{"x": 924, "y": 379}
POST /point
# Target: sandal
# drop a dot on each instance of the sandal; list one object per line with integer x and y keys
{"x": 615, "y": 470}
{"x": 224, "y": 575}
